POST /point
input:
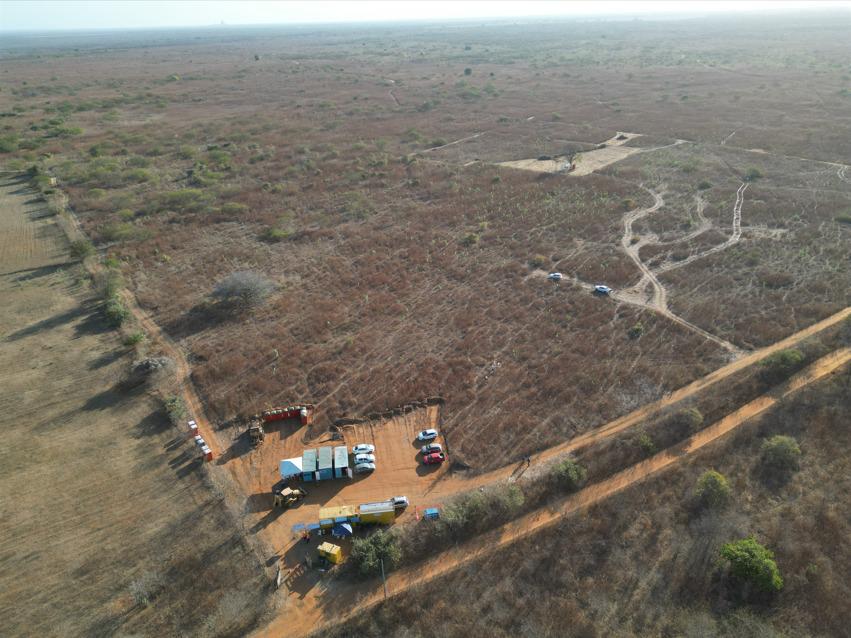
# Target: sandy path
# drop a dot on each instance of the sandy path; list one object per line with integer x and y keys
{"x": 733, "y": 239}
{"x": 659, "y": 299}
{"x": 355, "y": 599}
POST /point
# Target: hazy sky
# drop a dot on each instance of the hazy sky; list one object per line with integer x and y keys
{"x": 72, "y": 14}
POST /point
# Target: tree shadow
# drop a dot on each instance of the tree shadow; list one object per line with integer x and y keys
{"x": 47, "y": 324}
{"x": 241, "y": 446}
{"x": 104, "y": 400}
{"x": 107, "y": 358}
{"x": 153, "y": 424}
{"x": 202, "y": 316}
{"x": 270, "y": 517}
{"x": 28, "y": 274}
{"x": 186, "y": 463}
{"x": 259, "y": 502}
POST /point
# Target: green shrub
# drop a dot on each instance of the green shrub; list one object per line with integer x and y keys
{"x": 121, "y": 231}
{"x": 175, "y": 408}
{"x": 689, "y": 419}
{"x": 780, "y": 454}
{"x": 367, "y": 553}
{"x": 752, "y": 174}
{"x": 82, "y": 248}
{"x": 569, "y": 474}
{"x": 537, "y": 261}
{"x": 636, "y": 331}
{"x": 844, "y": 218}
{"x": 184, "y": 200}
{"x": 712, "y": 490}
{"x": 753, "y": 563}
{"x": 275, "y": 235}
{"x": 134, "y": 338}
{"x": 780, "y": 365}
{"x": 234, "y": 208}
{"x": 115, "y": 312}
{"x": 468, "y": 71}
{"x": 704, "y": 185}
{"x": 470, "y": 239}
{"x": 646, "y": 444}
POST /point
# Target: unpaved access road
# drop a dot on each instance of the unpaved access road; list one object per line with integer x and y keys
{"x": 341, "y": 600}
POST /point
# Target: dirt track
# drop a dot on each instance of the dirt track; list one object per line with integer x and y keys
{"x": 348, "y": 596}
{"x": 658, "y": 302}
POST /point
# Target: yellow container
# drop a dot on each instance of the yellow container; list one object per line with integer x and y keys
{"x": 334, "y": 553}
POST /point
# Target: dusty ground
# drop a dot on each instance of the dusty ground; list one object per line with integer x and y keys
{"x": 98, "y": 492}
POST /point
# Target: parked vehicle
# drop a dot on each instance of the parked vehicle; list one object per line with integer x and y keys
{"x": 434, "y": 458}
{"x": 602, "y": 290}
{"x": 364, "y": 458}
{"x": 427, "y": 435}
{"x": 400, "y": 502}
{"x": 555, "y": 276}
{"x": 363, "y": 468}
{"x": 363, "y": 448}
{"x": 430, "y": 448}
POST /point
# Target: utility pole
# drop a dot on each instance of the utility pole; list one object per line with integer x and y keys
{"x": 383, "y": 580}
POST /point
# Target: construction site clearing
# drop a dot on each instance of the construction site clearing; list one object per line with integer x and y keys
{"x": 294, "y": 508}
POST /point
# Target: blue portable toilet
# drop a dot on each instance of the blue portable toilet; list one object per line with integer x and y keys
{"x": 431, "y": 514}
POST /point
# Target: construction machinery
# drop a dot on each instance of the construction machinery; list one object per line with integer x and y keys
{"x": 287, "y": 496}
{"x": 256, "y": 433}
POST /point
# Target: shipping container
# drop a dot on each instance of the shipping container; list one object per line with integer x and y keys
{"x": 338, "y": 514}
{"x": 325, "y": 464}
{"x": 383, "y": 513}
{"x": 341, "y": 462}
{"x": 308, "y": 465}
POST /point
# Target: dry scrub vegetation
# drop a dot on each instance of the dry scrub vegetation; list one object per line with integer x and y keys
{"x": 647, "y": 562}
{"x": 401, "y": 265}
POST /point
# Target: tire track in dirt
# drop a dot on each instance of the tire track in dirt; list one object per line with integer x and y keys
{"x": 350, "y": 596}
{"x": 733, "y": 239}
{"x": 659, "y": 299}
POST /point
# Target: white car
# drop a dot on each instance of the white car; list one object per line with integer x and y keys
{"x": 362, "y": 468}
{"x": 363, "y": 448}
{"x": 400, "y": 502}
{"x": 427, "y": 435}
{"x": 555, "y": 276}
{"x": 430, "y": 448}
{"x": 601, "y": 289}
{"x": 364, "y": 458}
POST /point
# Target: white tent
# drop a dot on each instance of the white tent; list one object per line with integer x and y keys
{"x": 290, "y": 468}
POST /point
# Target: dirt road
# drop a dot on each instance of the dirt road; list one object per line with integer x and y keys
{"x": 658, "y": 301}
{"x": 341, "y": 600}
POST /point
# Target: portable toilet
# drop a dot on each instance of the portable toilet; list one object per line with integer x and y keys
{"x": 325, "y": 464}
{"x": 341, "y": 462}
{"x": 383, "y": 513}
{"x": 308, "y": 465}
{"x": 334, "y": 553}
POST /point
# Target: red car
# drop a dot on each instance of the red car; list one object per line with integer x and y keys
{"x": 434, "y": 458}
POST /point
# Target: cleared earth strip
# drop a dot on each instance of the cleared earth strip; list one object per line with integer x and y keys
{"x": 485, "y": 544}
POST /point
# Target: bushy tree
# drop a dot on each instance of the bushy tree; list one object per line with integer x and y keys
{"x": 713, "y": 490}
{"x": 781, "y": 454}
{"x": 753, "y": 563}
{"x": 81, "y": 248}
{"x": 368, "y": 552}
{"x": 243, "y": 288}
{"x": 781, "y": 364}
{"x": 569, "y": 474}
{"x": 115, "y": 311}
